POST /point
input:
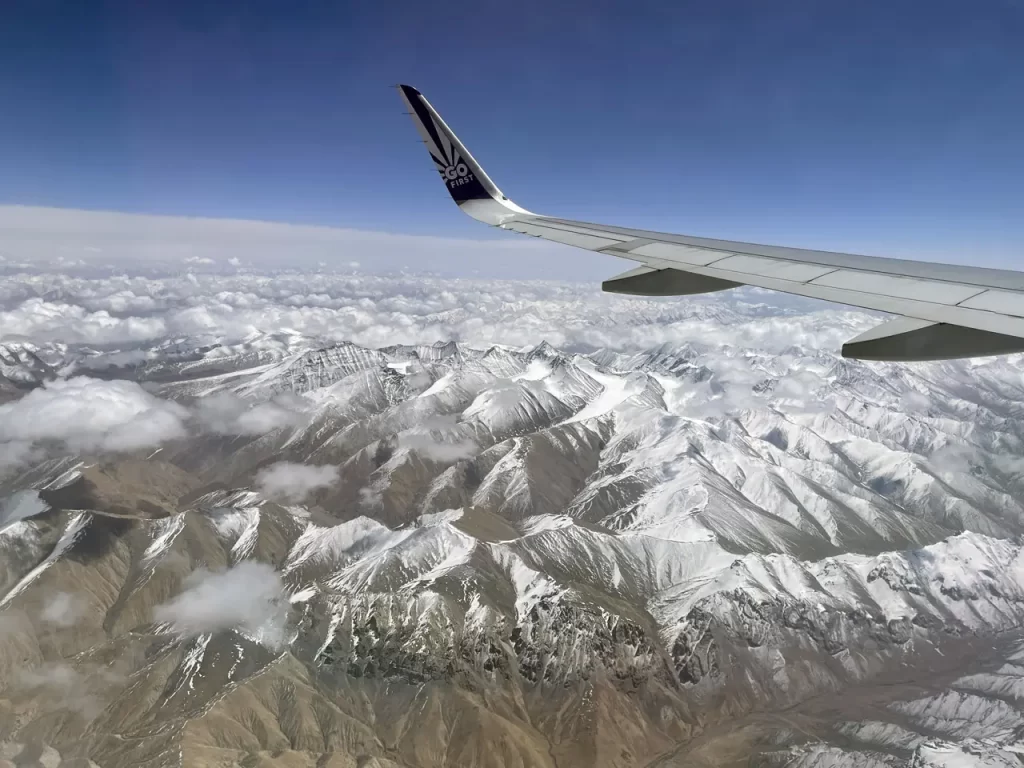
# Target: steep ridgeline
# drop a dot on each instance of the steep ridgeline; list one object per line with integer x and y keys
{"x": 427, "y": 556}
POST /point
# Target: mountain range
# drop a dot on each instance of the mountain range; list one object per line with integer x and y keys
{"x": 287, "y": 551}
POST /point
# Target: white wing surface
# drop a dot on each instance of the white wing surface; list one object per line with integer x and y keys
{"x": 945, "y": 310}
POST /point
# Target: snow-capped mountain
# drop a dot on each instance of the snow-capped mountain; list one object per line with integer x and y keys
{"x": 448, "y": 556}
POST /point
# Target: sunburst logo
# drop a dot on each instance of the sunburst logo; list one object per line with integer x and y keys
{"x": 449, "y": 162}
{"x": 452, "y": 172}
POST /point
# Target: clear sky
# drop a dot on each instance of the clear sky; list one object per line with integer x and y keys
{"x": 891, "y": 127}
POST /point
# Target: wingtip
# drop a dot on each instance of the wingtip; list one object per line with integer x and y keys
{"x": 466, "y": 182}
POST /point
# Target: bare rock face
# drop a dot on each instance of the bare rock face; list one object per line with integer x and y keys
{"x": 127, "y": 488}
{"x": 427, "y": 556}
{"x": 21, "y": 369}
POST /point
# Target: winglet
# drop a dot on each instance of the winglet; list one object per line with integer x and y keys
{"x": 470, "y": 187}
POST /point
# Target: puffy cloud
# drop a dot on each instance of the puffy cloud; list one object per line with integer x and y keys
{"x": 18, "y": 453}
{"x": 87, "y": 414}
{"x": 248, "y": 597}
{"x": 227, "y": 414}
{"x": 59, "y": 676}
{"x": 72, "y": 689}
{"x": 438, "y": 449}
{"x": 803, "y": 391}
{"x": 62, "y": 609}
{"x": 955, "y": 459}
{"x": 439, "y": 439}
{"x": 293, "y": 482}
{"x": 913, "y": 401}
{"x": 371, "y": 497}
{"x": 39, "y": 320}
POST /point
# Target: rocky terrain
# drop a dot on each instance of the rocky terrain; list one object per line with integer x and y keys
{"x": 289, "y": 551}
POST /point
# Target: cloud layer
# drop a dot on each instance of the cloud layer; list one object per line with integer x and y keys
{"x": 84, "y": 324}
{"x": 125, "y": 312}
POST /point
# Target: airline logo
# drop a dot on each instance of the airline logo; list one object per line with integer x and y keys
{"x": 454, "y": 169}
{"x": 455, "y": 172}
{"x": 449, "y": 163}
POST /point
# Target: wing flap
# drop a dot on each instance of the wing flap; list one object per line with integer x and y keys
{"x": 680, "y": 254}
{"x": 898, "y": 287}
{"x": 1002, "y": 302}
{"x": 783, "y": 270}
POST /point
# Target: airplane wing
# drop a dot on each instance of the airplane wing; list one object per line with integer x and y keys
{"x": 945, "y": 311}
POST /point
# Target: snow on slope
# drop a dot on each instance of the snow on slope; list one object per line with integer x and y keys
{"x": 710, "y": 521}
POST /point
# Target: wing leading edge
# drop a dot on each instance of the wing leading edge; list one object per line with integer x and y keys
{"x": 946, "y": 311}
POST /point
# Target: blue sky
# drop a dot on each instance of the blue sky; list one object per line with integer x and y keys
{"x": 881, "y": 127}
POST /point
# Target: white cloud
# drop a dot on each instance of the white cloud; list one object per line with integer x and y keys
{"x": 292, "y": 482}
{"x": 62, "y": 609}
{"x": 17, "y": 454}
{"x": 87, "y": 414}
{"x": 227, "y": 414}
{"x": 371, "y": 497}
{"x": 73, "y": 689}
{"x": 248, "y": 597}
{"x": 913, "y": 401}
{"x": 438, "y": 439}
{"x": 438, "y": 449}
{"x": 39, "y": 320}
{"x": 54, "y": 675}
{"x": 953, "y": 459}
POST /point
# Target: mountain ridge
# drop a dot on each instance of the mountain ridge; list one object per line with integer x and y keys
{"x": 553, "y": 558}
